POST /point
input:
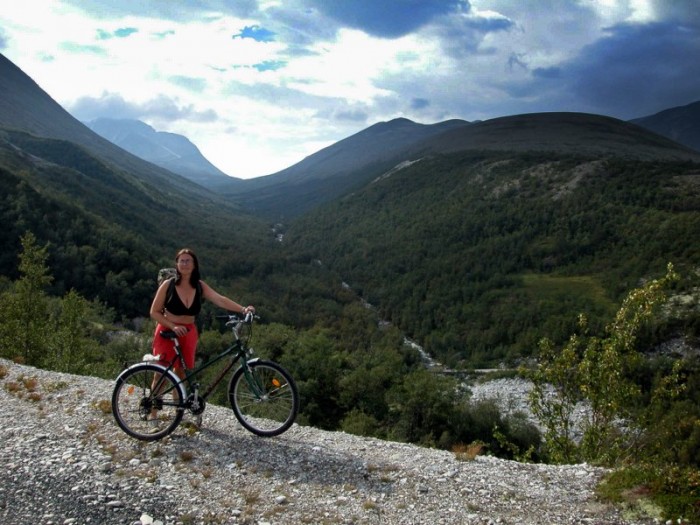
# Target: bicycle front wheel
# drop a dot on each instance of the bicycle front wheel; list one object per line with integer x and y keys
{"x": 146, "y": 402}
{"x": 264, "y": 398}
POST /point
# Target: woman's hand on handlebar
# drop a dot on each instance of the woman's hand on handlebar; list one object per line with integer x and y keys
{"x": 180, "y": 330}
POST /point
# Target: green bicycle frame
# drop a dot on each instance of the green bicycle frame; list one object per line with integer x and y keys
{"x": 188, "y": 379}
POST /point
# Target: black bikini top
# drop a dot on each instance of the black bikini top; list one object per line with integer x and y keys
{"x": 174, "y": 304}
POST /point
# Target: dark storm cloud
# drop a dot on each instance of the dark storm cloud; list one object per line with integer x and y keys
{"x": 114, "y": 106}
{"x": 462, "y": 36}
{"x": 387, "y": 18}
{"x": 634, "y": 70}
{"x": 677, "y": 10}
{"x": 638, "y": 69}
{"x": 547, "y": 72}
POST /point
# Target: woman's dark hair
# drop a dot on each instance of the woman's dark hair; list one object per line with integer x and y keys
{"x": 194, "y": 276}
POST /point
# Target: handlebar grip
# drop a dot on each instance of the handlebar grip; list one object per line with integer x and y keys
{"x": 247, "y": 318}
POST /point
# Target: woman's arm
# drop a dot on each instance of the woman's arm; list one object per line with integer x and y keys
{"x": 222, "y": 301}
{"x": 158, "y": 306}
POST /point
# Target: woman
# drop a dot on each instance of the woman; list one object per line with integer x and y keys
{"x": 177, "y": 311}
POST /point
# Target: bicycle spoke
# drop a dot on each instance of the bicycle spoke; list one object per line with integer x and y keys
{"x": 140, "y": 402}
{"x": 264, "y": 398}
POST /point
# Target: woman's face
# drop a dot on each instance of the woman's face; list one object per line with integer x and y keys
{"x": 185, "y": 264}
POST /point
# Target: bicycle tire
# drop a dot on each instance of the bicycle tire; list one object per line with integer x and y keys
{"x": 272, "y": 410}
{"x": 134, "y": 405}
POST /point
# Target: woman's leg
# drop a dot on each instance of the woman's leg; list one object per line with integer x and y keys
{"x": 155, "y": 387}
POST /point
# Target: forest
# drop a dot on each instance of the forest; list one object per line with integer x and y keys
{"x": 358, "y": 375}
{"x": 477, "y": 255}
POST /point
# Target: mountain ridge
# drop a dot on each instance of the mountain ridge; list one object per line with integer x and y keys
{"x": 354, "y": 161}
{"x": 25, "y": 106}
{"x": 98, "y": 207}
{"x": 681, "y": 123}
{"x": 175, "y": 153}
{"x": 562, "y": 132}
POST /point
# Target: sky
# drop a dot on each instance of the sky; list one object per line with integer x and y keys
{"x": 258, "y": 85}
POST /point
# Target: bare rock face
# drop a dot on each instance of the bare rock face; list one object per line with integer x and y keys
{"x": 65, "y": 461}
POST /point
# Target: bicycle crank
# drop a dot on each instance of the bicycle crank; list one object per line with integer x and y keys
{"x": 196, "y": 404}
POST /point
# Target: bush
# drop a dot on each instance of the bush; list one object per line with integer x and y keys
{"x": 675, "y": 491}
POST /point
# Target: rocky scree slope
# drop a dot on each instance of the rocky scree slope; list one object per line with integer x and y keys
{"x": 64, "y": 461}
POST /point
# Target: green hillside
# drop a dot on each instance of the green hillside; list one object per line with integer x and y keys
{"x": 111, "y": 219}
{"x": 108, "y": 232}
{"x": 477, "y": 255}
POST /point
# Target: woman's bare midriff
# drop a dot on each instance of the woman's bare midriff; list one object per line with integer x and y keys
{"x": 179, "y": 319}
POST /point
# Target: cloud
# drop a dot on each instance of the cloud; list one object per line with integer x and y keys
{"x": 3, "y": 39}
{"x": 547, "y": 72}
{"x": 270, "y": 65}
{"x": 388, "y": 18}
{"x": 614, "y": 60}
{"x": 166, "y": 9}
{"x": 299, "y": 104}
{"x": 74, "y": 47}
{"x": 298, "y": 27}
{"x": 638, "y": 69}
{"x": 196, "y": 85}
{"x": 680, "y": 11}
{"x": 353, "y": 115}
{"x": 161, "y": 109}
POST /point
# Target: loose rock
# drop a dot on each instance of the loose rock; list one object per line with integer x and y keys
{"x": 66, "y": 461}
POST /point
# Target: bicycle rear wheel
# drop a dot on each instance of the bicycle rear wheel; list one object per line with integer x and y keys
{"x": 146, "y": 401}
{"x": 265, "y": 399}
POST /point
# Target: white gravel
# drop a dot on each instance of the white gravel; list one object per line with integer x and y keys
{"x": 64, "y": 461}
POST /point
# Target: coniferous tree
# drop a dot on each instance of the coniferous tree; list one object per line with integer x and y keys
{"x": 24, "y": 307}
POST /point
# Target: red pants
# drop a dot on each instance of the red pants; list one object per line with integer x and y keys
{"x": 165, "y": 348}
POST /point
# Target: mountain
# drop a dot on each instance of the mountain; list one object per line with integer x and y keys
{"x": 352, "y": 162}
{"x": 170, "y": 151}
{"x": 478, "y": 254}
{"x": 681, "y": 124}
{"x": 560, "y": 132}
{"x": 24, "y": 106}
{"x": 378, "y": 143}
{"x": 336, "y": 169}
{"x": 473, "y": 238}
{"x": 108, "y": 215}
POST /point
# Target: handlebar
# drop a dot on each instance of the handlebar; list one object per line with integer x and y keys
{"x": 236, "y": 318}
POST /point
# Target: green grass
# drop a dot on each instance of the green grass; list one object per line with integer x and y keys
{"x": 552, "y": 286}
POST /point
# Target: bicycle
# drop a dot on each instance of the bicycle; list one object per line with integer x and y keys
{"x": 149, "y": 399}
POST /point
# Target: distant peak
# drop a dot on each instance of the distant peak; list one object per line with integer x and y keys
{"x": 123, "y": 123}
{"x": 400, "y": 120}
